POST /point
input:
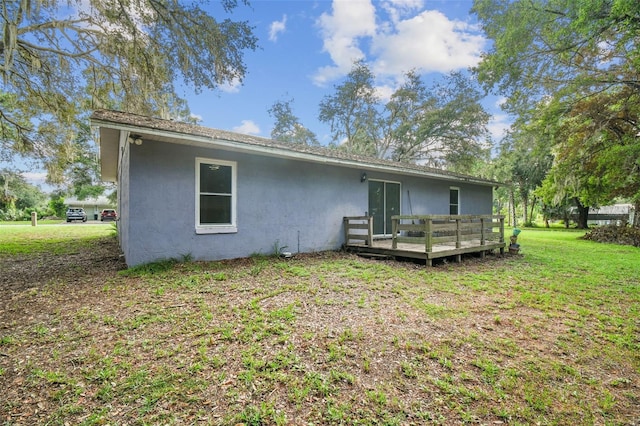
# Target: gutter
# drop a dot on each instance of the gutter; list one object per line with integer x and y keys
{"x": 238, "y": 146}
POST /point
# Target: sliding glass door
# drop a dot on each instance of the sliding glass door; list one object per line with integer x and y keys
{"x": 384, "y": 202}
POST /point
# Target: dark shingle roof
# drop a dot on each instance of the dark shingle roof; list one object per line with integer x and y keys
{"x": 103, "y": 117}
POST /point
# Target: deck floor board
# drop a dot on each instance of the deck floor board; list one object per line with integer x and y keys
{"x": 417, "y": 251}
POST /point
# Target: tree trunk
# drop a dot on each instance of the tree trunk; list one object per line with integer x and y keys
{"x": 512, "y": 201}
{"x": 636, "y": 214}
{"x": 533, "y": 206}
{"x": 583, "y": 215}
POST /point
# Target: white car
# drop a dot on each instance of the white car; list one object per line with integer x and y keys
{"x": 76, "y": 213}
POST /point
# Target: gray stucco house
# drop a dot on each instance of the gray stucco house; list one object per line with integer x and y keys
{"x": 211, "y": 194}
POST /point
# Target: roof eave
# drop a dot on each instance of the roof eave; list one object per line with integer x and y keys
{"x": 273, "y": 151}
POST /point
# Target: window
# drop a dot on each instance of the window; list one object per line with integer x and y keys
{"x": 215, "y": 196}
{"x": 454, "y": 200}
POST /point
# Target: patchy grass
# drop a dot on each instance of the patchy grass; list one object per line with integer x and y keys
{"x": 548, "y": 337}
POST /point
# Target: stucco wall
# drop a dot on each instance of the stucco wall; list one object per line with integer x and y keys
{"x": 279, "y": 201}
{"x": 123, "y": 198}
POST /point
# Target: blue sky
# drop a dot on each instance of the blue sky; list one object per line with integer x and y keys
{"x": 308, "y": 46}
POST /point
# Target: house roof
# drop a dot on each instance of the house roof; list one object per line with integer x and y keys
{"x": 92, "y": 201}
{"x": 116, "y": 126}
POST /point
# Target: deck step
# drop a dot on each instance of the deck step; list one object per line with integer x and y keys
{"x": 376, "y": 256}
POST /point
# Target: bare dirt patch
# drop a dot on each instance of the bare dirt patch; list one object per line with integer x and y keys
{"x": 327, "y": 338}
{"x": 22, "y": 272}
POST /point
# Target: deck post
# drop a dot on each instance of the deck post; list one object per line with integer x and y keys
{"x": 370, "y": 231}
{"x": 345, "y": 221}
{"x": 458, "y": 233}
{"x": 427, "y": 235}
{"x": 394, "y": 232}
{"x": 482, "y": 237}
{"x": 502, "y": 233}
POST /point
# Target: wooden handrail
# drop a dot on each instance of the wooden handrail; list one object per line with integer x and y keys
{"x": 364, "y": 223}
{"x": 446, "y": 228}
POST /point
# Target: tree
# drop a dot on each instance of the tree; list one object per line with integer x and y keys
{"x": 60, "y": 58}
{"x": 352, "y": 113}
{"x": 598, "y": 150}
{"x": 556, "y": 48}
{"x": 82, "y": 177}
{"x": 57, "y": 204}
{"x": 442, "y": 126}
{"x": 576, "y": 64}
{"x": 287, "y": 127}
{"x": 17, "y": 195}
{"x": 527, "y": 158}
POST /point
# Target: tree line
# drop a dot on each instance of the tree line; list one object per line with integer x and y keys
{"x": 570, "y": 74}
{"x": 443, "y": 126}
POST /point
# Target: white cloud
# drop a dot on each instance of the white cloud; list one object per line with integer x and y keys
{"x": 247, "y": 127}
{"x": 409, "y": 38}
{"x": 231, "y": 87}
{"x": 498, "y": 126}
{"x": 341, "y": 31}
{"x": 398, "y": 8}
{"x": 276, "y": 28}
{"x": 428, "y": 42}
{"x": 500, "y": 101}
{"x": 35, "y": 178}
{"x": 385, "y": 91}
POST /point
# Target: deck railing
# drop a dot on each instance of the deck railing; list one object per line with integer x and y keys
{"x": 429, "y": 230}
{"x": 358, "y": 228}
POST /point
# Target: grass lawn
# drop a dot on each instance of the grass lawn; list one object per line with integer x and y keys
{"x": 47, "y": 238}
{"x": 551, "y": 336}
{"x": 4, "y": 223}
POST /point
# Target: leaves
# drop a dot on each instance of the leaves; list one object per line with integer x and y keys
{"x": 63, "y": 58}
{"x": 287, "y": 127}
{"x": 572, "y": 70}
{"x": 440, "y": 126}
{"x": 352, "y": 112}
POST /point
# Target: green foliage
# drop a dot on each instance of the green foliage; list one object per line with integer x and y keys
{"x": 418, "y": 119}
{"x": 557, "y": 48}
{"x": 87, "y": 58}
{"x": 19, "y": 198}
{"x": 571, "y": 68}
{"x": 287, "y": 127}
{"x": 523, "y": 162}
{"x": 57, "y": 204}
{"x": 352, "y": 112}
{"x": 414, "y": 125}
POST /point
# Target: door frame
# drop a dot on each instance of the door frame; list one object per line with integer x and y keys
{"x": 386, "y": 232}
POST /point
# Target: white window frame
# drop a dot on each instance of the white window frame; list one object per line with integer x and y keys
{"x": 222, "y": 228}
{"x": 458, "y": 200}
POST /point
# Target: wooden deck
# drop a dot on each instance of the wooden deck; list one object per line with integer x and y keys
{"x": 428, "y": 237}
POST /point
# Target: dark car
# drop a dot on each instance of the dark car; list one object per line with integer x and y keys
{"x": 108, "y": 214}
{"x": 76, "y": 213}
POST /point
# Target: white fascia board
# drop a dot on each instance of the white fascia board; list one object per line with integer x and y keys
{"x": 209, "y": 142}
